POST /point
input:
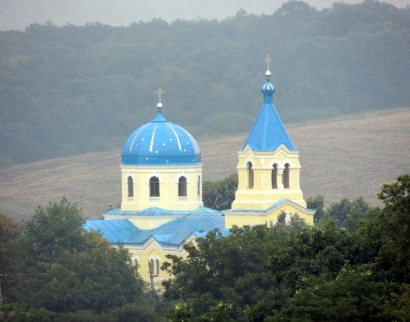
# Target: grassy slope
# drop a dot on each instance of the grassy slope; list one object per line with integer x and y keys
{"x": 345, "y": 157}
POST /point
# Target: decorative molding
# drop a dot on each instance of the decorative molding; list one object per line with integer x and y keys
{"x": 154, "y": 174}
{"x": 175, "y": 167}
{"x": 183, "y": 174}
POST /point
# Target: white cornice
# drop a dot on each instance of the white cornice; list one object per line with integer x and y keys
{"x": 280, "y": 147}
{"x": 170, "y": 166}
{"x": 268, "y": 192}
{"x": 267, "y": 212}
{"x": 151, "y": 243}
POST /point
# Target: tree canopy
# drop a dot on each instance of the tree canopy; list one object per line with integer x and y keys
{"x": 53, "y": 269}
{"x": 57, "y": 266}
{"x": 295, "y": 272}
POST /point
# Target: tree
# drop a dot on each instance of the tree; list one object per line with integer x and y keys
{"x": 390, "y": 231}
{"x": 348, "y": 276}
{"x": 360, "y": 211}
{"x": 313, "y": 252}
{"x": 65, "y": 268}
{"x": 51, "y": 231}
{"x": 218, "y": 268}
{"x": 221, "y": 193}
{"x": 8, "y": 233}
{"x": 317, "y": 203}
{"x": 339, "y": 211}
{"x": 352, "y": 296}
{"x": 348, "y": 214}
{"x": 229, "y": 269}
{"x": 396, "y": 196}
{"x": 292, "y": 272}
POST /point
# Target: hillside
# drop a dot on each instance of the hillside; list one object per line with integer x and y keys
{"x": 343, "y": 157}
{"x": 73, "y": 90}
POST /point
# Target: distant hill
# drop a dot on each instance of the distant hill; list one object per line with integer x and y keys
{"x": 72, "y": 90}
{"x": 345, "y": 157}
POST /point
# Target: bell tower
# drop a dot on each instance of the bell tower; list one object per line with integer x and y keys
{"x": 268, "y": 168}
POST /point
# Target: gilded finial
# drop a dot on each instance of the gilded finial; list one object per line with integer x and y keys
{"x": 268, "y": 60}
{"x": 159, "y": 92}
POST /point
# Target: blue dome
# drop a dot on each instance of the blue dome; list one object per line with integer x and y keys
{"x": 160, "y": 143}
{"x": 268, "y": 88}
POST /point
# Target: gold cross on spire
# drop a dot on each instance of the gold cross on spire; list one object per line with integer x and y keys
{"x": 268, "y": 60}
{"x": 159, "y": 92}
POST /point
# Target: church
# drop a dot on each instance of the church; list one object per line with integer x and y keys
{"x": 161, "y": 173}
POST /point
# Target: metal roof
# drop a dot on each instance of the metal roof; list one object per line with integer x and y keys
{"x": 268, "y": 131}
{"x": 156, "y": 212}
{"x": 160, "y": 143}
{"x": 115, "y": 231}
{"x": 173, "y": 233}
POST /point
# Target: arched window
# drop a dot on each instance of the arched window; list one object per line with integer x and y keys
{"x": 154, "y": 187}
{"x": 130, "y": 187}
{"x": 157, "y": 266}
{"x": 182, "y": 187}
{"x": 274, "y": 178}
{"x": 199, "y": 186}
{"x": 151, "y": 266}
{"x": 250, "y": 175}
{"x": 286, "y": 176}
{"x": 136, "y": 263}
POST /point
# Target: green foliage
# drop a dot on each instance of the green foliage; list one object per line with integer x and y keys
{"x": 141, "y": 311}
{"x": 313, "y": 252}
{"x": 348, "y": 214}
{"x": 221, "y": 193}
{"x": 219, "y": 312}
{"x": 82, "y": 316}
{"x": 317, "y": 203}
{"x": 226, "y": 269}
{"x": 364, "y": 277}
{"x": 294, "y": 272}
{"x": 352, "y": 296}
{"x": 52, "y": 231}
{"x": 8, "y": 233}
{"x": 61, "y": 267}
{"x": 396, "y": 197}
{"x": 389, "y": 232}
{"x": 20, "y": 312}
{"x": 58, "y": 85}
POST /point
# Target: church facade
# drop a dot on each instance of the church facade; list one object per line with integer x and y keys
{"x": 161, "y": 204}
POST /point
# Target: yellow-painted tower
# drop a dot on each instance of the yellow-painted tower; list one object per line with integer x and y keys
{"x": 268, "y": 169}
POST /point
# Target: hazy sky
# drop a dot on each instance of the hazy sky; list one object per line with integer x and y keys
{"x": 17, "y": 14}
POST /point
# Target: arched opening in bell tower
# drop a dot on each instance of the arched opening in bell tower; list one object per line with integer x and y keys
{"x": 250, "y": 175}
{"x": 286, "y": 176}
{"x": 274, "y": 177}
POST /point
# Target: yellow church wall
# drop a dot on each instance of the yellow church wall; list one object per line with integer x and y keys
{"x": 262, "y": 195}
{"x": 142, "y": 254}
{"x": 168, "y": 186}
{"x": 251, "y": 219}
{"x": 260, "y": 200}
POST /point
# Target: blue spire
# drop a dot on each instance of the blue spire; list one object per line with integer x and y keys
{"x": 159, "y": 117}
{"x": 268, "y": 132}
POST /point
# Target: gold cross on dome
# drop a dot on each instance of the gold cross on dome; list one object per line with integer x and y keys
{"x": 268, "y": 60}
{"x": 159, "y": 92}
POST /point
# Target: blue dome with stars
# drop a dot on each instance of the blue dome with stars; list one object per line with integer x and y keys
{"x": 160, "y": 143}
